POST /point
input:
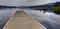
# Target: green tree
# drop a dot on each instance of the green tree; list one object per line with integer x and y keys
{"x": 57, "y": 4}
{"x": 56, "y": 8}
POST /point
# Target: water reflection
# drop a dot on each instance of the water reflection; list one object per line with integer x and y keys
{"x": 5, "y": 14}
{"x": 48, "y": 19}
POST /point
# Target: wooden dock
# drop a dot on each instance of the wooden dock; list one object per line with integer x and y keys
{"x": 21, "y": 20}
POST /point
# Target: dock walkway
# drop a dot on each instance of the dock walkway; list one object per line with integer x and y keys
{"x": 21, "y": 20}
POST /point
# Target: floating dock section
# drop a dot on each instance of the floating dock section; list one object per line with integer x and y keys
{"x": 22, "y": 20}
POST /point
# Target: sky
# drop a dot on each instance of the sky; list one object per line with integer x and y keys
{"x": 25, "y": 2}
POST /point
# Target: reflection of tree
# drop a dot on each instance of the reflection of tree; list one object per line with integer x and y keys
{"x": 57, "y": 11}
{"x": 56, "y": 8}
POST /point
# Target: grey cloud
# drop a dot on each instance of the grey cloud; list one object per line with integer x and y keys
{"x": 23, "y": 2}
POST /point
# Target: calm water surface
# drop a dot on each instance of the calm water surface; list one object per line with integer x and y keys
{"x": 49, "y": 20}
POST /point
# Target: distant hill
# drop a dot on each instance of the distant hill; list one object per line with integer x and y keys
{"x": 3, "y": 6}
{"x": 45, "y": 5}
{"x": 37, "y": 6}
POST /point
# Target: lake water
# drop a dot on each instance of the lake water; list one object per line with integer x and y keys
{"x": 48, "y": 19}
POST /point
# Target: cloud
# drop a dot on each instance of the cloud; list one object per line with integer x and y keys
{"x": 23, "y": 2}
